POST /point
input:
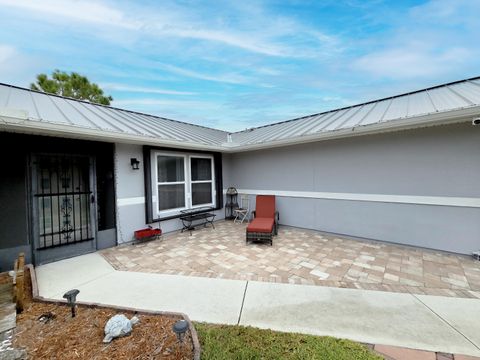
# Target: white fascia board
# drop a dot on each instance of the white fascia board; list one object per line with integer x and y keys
{"x": 77, "y": 132}
{"x": 441, "y": 118}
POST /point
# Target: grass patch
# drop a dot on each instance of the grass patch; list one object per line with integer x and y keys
{"x": 220, "y": 342}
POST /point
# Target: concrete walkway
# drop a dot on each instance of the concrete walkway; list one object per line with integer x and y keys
{"x": 424, "y": 322}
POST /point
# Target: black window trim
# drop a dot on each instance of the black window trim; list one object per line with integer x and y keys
{"x": 147, "y": 168}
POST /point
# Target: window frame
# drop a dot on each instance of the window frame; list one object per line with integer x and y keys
{"x": 157, "y": 183}
{"x": 152, "y": 215}
{"x": 211, "y": 181}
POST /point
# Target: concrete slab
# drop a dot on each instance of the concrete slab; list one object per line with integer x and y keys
{"x": 361, "y": 315}
{"x": 8, "y": 312}
{"x": 462, "y": 314}
{"x": 56, "y": 278}
{"x": 422, "y": 322}
{"x": 202, "y": 299}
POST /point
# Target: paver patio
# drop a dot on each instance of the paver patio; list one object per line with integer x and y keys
{"x": 300, "y": 256}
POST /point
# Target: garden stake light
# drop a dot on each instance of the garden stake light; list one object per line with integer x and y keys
{"x": 71, "y": 297}
{"x": 180, "y": 328}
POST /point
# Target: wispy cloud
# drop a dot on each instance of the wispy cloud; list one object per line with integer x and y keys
{"x": 180, "y": 24}
{"x": 140, "y": 89}
{"x": 17, "y": 67}
{"x": 231, "y": 78}
{"x": 85, "y": 11}
{"x": 193, "y": 104}
{"x": 6, "y": 53}
{"x": 433, "y": 40}
{"x": 243, "y": 41}
{"x": 409, "y": 62}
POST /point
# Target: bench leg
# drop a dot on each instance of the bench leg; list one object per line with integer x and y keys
{"x": 209, "y": 222}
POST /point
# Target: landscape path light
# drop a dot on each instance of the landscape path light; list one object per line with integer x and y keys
{"x": 71, "y": 297}
{"x": 180, "y": 328}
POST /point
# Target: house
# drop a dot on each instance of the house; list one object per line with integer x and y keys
{"x": 403, "y": 169}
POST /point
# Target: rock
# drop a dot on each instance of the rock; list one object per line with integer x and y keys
{"x": 117, "y": 326}
{"x": 13, "y": 354}
{"x": 7, "y": 351}
{"x": 46, "y": 317}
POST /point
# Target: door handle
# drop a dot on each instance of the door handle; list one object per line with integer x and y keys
{"x": 92, "y": 199}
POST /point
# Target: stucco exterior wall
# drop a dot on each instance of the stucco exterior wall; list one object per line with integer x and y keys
{"x": 440, "y": 162}
{"x": 130, "y": 194}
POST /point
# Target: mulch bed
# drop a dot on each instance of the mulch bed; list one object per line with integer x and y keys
{"x": 5, "y": 278}
{"x": 64, "y": 337}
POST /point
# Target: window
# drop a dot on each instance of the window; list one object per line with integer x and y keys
{"x": 201, "y": 172}
{"x": 171, "y": 182}
{"x": 181, "y": 181}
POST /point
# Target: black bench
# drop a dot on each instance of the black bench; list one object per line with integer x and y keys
{"x": 199, "y": 216}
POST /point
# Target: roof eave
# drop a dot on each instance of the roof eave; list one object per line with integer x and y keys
{"x": 433, "y": 119}
{"x": 18, "y": 123}
{"x": 22, "y": 125}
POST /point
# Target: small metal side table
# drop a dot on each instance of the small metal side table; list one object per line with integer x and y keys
{"x": 241, "y": 213}
{"x": 232, "y": 203}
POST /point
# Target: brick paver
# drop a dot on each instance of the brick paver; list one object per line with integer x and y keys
{"x": 300, "y": 256}
{"x": 398, "y": 353}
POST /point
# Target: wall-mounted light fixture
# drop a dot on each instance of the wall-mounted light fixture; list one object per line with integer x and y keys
{"x": 135, "y": 163}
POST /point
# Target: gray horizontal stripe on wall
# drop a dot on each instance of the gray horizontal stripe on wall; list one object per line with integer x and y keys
{"x": 471, "y": 202}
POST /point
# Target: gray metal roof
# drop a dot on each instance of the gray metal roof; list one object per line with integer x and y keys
{"x": 47, "y": 108}
{"x": 68, "y": 117}
{"x": 439, "y": 99}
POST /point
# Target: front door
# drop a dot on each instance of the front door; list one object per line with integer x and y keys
{"x": 63, "y": 206}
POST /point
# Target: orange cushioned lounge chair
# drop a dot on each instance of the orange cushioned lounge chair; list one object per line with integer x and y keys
{"x": 265, "y": 220}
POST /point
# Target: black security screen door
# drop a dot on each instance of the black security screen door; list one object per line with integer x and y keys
{"x": 63, "y": 200}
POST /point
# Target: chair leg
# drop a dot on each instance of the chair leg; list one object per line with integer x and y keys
{"x": 243, "y": 217}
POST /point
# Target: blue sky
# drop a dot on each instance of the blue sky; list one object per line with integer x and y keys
{"x": 238, "y": 64}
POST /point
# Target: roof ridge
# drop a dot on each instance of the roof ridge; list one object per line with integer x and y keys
{"x": 359, "y": 104}
{"x": 108, "y": 106}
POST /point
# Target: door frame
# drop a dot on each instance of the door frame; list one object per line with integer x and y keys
{"x": 59, "y": 252}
